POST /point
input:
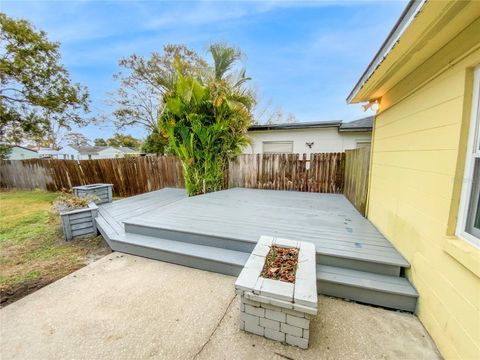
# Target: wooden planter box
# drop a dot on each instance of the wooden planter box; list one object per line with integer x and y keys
{"x": 276, "y": 309}
{"x": 79, "y": 222}
{"x": 102, "y": 191}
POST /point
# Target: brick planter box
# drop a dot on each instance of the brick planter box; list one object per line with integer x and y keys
{"x": 275, "y": 309}
{"x": 79, "y": 222}
{"x": 102, "y": 191}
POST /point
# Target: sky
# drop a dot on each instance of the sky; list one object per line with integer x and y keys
{"x": 304, "y": 57}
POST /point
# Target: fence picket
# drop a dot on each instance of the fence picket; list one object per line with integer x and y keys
{"x": 326, "y": 172}
{"x": 130, "y": 176}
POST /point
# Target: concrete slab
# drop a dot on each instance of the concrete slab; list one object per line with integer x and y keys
{"x": 341, "y": 330}
{"x": 120, "y": 307}
{"x": 127, "y": 307}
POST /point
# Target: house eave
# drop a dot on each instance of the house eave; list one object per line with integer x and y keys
{"x": 425, "y": 29}
{"x": 407, "y": 16}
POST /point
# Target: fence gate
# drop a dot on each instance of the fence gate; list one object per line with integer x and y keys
{"x": 357, "y": 163}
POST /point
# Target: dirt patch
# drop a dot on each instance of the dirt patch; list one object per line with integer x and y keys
{"x": 9, "y": 294}
{"x": 86, "y": 250}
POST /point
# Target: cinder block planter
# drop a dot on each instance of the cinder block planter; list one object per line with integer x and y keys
{"x": 102, "y": 191}
{"x": 276, "y": 309}
{"x": 79, "y": 222}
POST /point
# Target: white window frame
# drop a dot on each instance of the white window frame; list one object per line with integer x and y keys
{"x": 473, "y": 153}
{"x": 278, "y": 142}
{"x": 362, "y": 143}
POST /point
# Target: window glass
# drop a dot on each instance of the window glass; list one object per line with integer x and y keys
{"x": 473, "y": 215}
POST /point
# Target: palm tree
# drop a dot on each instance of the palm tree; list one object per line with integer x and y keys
{"x": 206, "y": 117}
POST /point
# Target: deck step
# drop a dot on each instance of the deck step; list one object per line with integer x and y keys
{"x": 105, "y": 229}
{"x": 366, "y": 287}
{"x": 184, "y": 235}
{"x": 223, "y": 261}
{"x": 114, "y": 225}
{"x": 243, "y": 244}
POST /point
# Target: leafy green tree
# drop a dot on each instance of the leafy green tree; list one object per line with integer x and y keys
{"x": 5, "y": 151}
{"x": 124, "y": 140}
{"x": 206, "y": 117}
{"x": 35, "y": 87}
{"x": 77, "y": 139}
{"x": 100, "y": 142}
{"x": 155, "y": 143}
{"x": 142, "y": 83}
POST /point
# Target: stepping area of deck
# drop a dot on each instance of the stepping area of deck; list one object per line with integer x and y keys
{"x": 217, "y": 232}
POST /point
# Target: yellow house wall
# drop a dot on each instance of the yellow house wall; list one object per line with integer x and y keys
{"x": 417, "y": 156}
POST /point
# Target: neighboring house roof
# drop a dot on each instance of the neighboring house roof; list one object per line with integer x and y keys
{"x": 18, "y": 146}
{"x": 47, "y": 151}
{"x": 298, "y": 125}
{"x": 364, "y": 124}
{"x": 92, "y": 150}
{"x": 127, "y": 150}
{"x": 88, "y": 150}
{"x": 424, "y": 28}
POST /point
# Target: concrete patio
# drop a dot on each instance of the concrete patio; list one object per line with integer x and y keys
{"x": 128, "y": 307}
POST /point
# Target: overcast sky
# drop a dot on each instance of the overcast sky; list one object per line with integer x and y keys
{"x": 304, "y": 57}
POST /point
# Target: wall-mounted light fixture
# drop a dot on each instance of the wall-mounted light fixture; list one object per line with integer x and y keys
{"x": 373, "y": 105}
{"x": 309, "y": 144}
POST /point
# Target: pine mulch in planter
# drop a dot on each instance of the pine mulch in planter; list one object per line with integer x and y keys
{"x": 281, "y": 264}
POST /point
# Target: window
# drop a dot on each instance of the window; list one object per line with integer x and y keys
{"x": 469, "y": 213}
{"x": 89, "y": 156}
{"x": 363, "y": 143}
{"x": 277, "y": 147}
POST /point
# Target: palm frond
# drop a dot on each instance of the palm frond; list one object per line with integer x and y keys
{"x": 224, "y": 57}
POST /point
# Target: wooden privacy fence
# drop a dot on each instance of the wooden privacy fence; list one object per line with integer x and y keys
{"x": 129, "y": 176}
{"x": 322, "y": 172}
{"x": 357, "y": 163}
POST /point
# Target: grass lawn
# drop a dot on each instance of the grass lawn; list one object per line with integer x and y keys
{"x": 32, "y": 250}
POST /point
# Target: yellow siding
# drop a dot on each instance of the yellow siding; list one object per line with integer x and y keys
{"x": 415, "y": 152}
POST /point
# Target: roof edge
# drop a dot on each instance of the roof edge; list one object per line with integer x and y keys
{"x": 403, "y": 22}
{"x": 18, "y": 146}
{"x": 363, "y": 129}
{"x": 303, "y": 125}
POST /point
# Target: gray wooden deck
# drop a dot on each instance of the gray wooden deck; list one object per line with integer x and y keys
{"x": 327, "y": 220}
{"x": 117, "y": 212}
{"x": 217, "y": 231}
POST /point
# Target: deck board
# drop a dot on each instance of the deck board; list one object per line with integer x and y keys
{"x": 327, "y": 220}
{"x": 115, "y": 213}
